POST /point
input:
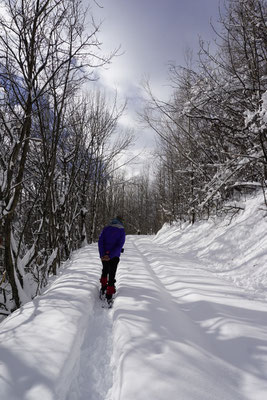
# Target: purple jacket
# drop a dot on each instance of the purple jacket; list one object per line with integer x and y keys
{"x": 111, "y": 239}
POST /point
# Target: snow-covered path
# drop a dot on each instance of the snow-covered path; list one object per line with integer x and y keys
{"x": 176, "y": 331}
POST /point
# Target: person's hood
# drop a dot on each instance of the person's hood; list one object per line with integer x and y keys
{"x": 116, "y": 223}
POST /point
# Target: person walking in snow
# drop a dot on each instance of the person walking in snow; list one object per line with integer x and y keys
{"x": 110, "y": 246}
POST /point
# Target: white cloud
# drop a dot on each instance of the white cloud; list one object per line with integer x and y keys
{"x": 151, "y": 34}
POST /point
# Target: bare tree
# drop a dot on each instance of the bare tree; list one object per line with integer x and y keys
{"x": 45, "y": 53}
{"x": 212, "y": 129}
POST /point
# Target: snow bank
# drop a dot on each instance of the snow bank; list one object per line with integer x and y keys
{"x": 41, "y": 342}
{"x": 234, "y": 249}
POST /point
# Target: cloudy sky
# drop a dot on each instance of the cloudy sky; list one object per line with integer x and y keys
{"x": 151, "y": 33}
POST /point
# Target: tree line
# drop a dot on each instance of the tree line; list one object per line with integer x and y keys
{"x": 59, "y": 144}
{"x": 212, "y": 136}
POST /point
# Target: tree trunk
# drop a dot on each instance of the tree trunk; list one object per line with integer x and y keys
{"x": 10, "y": 268}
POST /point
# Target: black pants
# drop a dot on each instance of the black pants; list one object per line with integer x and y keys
{"x": 109, "y": 269}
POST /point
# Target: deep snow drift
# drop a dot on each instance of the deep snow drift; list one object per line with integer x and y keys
{"x": 234, "y": 249}
{"x": 189, "y": 321}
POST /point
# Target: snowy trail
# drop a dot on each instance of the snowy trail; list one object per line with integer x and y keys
{"x": 176, "y": 331}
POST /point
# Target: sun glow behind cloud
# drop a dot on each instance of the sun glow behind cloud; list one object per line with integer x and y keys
{"x": 150, "y": 34}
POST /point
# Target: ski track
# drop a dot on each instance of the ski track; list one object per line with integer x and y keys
{"x": 93, "y": 373}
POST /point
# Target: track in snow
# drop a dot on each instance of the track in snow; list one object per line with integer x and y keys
{"x": 94, "y": 372}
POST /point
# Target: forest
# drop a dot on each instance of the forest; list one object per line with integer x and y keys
{"x": 61, "y": 141}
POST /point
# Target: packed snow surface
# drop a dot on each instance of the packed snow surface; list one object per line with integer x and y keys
{"x": 189, "y": 321}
